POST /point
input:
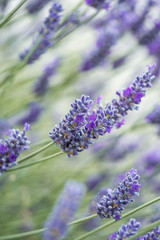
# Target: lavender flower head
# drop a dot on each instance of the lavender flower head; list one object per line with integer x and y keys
{"x": 11, "y": 148}
{"x": 113, "y": 203}
{"x": 41, "y": 85}
{"x": 36, "y": 5}
{"x": 154, "y": 116}
{"x": 154, "y": 235}
{"x": 98, "y": 4}
{"x": 45, "y": 35}
{"x": 63, "y": 211}
{"x": 126, "y": 231}
{"x": 83, "y": 124}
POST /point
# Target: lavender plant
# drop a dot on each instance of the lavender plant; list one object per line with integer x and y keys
{"x": 101, "y": 45}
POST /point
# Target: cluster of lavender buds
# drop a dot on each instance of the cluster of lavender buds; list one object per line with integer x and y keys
{"x": 102, "y": 49}
{"x": 11, "y": 148}
{"x": 154, "y": 116}
{"x": 64, "y": 210}
{"x": 98, "y": 4}
{"x": 113, "y": 203}
{"x": 126, "y": 231}
{"x": 32, "y": 114}
{"x": 154, "y": 235}
{"x": 36, "y": 5}
{"x": 83, "y": 123}
{"x": 44, "y": 39}
{"x": 41, "y": 86}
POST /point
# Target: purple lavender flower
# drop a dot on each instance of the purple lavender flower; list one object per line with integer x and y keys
{"x": 32, "y": 114}
{"x": 154, "y": 235}
{"x": 45, "y": 34}
{"x": 79, "y": 128}
{"x": 126, "y": 231}
{"x": 40, "y": 87}
{"x": 36, "y": 5}
{"x": 11, "y": 148}
{"x": 102, "y": 49}
{"x": 63, "y": 211}
{"x": 154, "y": 116}
{"x": 98, "y": 4}
{"x": 113, "y": 203}
{"x": 150, "y": 161}
{"x": 94, "y": 180}
{"x": 119, "y": 62}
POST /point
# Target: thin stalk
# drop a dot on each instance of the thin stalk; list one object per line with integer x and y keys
{"x": 83, "y": 219}
{"x": 35, "y": 153}
{"x": 11, "y": 14}
{"x": 149, "y": 228}
{"x": 114, "y": 222}
{"x": 20, "y": 235}
{"x": 37, "y": 162}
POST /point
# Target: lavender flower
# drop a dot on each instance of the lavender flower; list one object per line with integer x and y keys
{"x": 98, "y": 4}
{"x": 154, "y": 116}
{"x": 154, "y": 235}
{"x": 45, "y": 34}
{"x": 36, "y": 5}
{"x": 32, "y": 114}
{"x": 63, "y": 211}
{"x": 126, "y": 231}
{"x": 4, "y": 126}
{"x": 95, "y": 180}
{"x": 151, "y": 160}
{"x": 40, "y": 87}
{"x": 11, "y": 148}
{"x": 102, "y": 49}
{"x": 113, "y": 203}
{"x": 83, "y": 124}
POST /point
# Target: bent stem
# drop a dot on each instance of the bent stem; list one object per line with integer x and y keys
{"x": 35, "y": 153}
{"x": 113, "y": 221}
{"x": 11, "y": 14}
{"x": 146, "y": 230}
{"x": 20, "y": 235}
{"x": 37, "y": 162}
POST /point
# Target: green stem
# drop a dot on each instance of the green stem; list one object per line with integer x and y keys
{"x": 114, "y": 222}
{"x": 11, "y": 14}
{"x": 37, "y": 162}
{"x": 35, "y": 153}
{"x": 20, "y": 235}
{"x": 146, "y": 230}
{"x": 83, "y": 219}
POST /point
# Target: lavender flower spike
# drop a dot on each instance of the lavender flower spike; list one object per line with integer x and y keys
{"x": 36, "y": 5}
{"x": 154, "y": 235}
{"x": 63, "y": 211}
{"x": 11, "y": 148}
{"x": 45, "y": 34}
{"x": 98, "y": 4}
{"x": 126, "y": 231}
{"x": 113, "y": 203}
{"x": 83, "y": 124}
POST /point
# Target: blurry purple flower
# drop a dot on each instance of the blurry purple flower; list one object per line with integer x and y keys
{"x": 113, "y": 203}
{"x": 94, "y": 180}
{"x": 119, "y": 62}
{"x": 64, "y": 211}
{"x": 36, "y": 5}
{"x": 41, "y": 86}
{"x": 151, "y": 160}
{"x": 4, "y": 126}
{"x": 11, "y": 148}
{"x": 98, "y": 4}
{"x": 45, "y": 35}
{"x": 74, "y": 138}
{"x": 126, "y": 231}
{"x": 32, "y": 114}
{"x": 154, "y": 235}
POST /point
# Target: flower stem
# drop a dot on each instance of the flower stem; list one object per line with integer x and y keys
{"x": 11, "y": 14}
{"x": 113, "y": 221}
{"x": 83, "y": 219}
{"x": 20, "y": 235}
{"x": 37, "y": 162}
{"x": 35, "y": 153}
{"x": 146, "y": 229}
